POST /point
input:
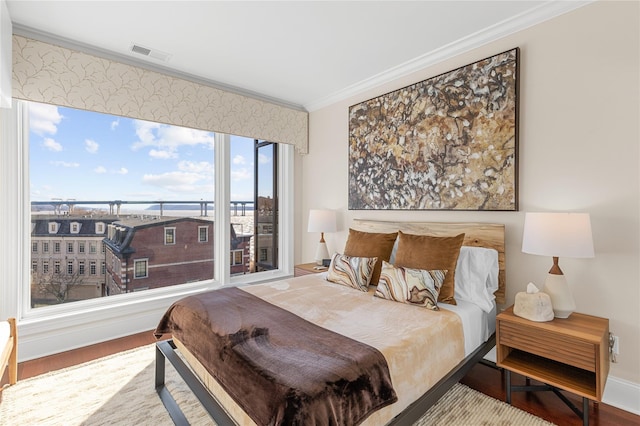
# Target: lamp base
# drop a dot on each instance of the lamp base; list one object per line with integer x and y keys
{"x": 561, "y": 299}
{"x": 321, "y": 253}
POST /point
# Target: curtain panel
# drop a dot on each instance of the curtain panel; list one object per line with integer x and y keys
{"x": 47, "y": 73}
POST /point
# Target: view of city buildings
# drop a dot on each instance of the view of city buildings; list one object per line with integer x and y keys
{"x": 79, "y": 253}
{"x": 147, "y": 231}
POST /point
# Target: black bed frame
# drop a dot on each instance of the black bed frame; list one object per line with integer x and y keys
{"x": 166, "y": 350}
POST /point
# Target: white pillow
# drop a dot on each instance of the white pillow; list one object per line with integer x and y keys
{"x": 476, "y": 276}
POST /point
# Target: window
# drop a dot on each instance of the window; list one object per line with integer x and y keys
{"x": 261, "y": 171}
{"x": 56, "y": 267}
{"x": 34, "y": 247}
{"x": 236, "y": 257}
{"x": 140, "y": 268}
{"x": 70, "y": 267}
{"x": 264, "y": 255}
{"x": 45, "y": 266}
{"x": 34, "y": 266}
{"x": 169, "y": 235}
{"x": 45, "y": 247}
{"x": 203, "y": 234}
{"x": 182, "y": 160}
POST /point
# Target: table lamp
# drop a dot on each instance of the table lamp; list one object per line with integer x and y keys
{"x": 322, "y": 221}
{"x": 558, "y": 235}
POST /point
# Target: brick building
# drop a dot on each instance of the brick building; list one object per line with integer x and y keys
{"x": 153, "y": 252}
{"x": 67, "y": 250}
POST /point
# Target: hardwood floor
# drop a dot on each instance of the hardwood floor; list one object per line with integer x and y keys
{"x": 486, "y": 379}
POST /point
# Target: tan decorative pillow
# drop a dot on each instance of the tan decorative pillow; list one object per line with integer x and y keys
{"x": 411, "y": 286}
{"x": 430, "y": 253}
{"x": 351, "y": 271}
{"x": 370, "y": 244}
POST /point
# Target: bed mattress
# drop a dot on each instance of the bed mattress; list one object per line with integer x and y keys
{"x": 421, "y": 346}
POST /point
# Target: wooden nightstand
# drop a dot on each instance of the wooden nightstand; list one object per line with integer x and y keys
{"x": 307, "y": 268}
{"x": 570, "y": 354}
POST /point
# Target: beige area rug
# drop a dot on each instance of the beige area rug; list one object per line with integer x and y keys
{"x": 119, "y": 390}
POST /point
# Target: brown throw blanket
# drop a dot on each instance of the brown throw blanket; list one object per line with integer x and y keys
{"x": 280, "y": 368}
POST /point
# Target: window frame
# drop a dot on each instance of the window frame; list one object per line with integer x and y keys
{"x": 169, "y": 235}
{"x": 204, "y": 228}
{"x": 137, "y": 262}
{"x": 233, "y": 257}
{"x": 57, "y": 328}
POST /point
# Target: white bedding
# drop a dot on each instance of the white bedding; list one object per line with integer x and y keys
{"x": 478, "y": 325}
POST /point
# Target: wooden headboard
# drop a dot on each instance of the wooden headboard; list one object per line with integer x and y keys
{"x": 490, "y": 235}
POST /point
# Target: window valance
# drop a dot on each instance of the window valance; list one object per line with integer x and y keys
{"x": 47, "y": 73}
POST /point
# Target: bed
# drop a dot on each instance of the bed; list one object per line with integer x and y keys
{"x": 398, "y": 359}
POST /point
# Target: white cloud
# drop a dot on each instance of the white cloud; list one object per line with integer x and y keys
{"x": 263, "y": 159}
{"x": 65, "y": 164}
{"x": 169, "y": 139}
{"x": 44, "y": 118}
{"x": 122, "y": 171}
{"x": 162, "y": 155}
{"x": 115, "y": 124}
{"x": 52, "y": 145}
{"x": 91, "y": 146}
{"x": 241, "y": 174}
{"x": 180, "y": 182}
{"x": 239, "y": 160}
{"x": 196, "y": 167}
{"x": 100, "y": 170}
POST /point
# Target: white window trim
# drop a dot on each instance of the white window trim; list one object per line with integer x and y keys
{"x": 135, "y": 268}
{"x": 49, "y": 330}
{"x": 173, "y": 231}
{"x": 233, "y": 257}
{"x": 206, "y": 234}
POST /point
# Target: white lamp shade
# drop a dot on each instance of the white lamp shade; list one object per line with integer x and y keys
{"x": 558, "y": 234}
{"x": 322, "y": 221}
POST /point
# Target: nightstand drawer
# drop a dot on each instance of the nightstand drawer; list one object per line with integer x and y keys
{"x": 548, "y": 344}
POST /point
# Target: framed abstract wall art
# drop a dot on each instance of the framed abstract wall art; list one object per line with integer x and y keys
{"x": 446, "y": 143}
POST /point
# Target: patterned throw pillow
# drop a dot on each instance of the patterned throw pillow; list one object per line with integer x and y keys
{"x": 351, "y": 271}
{"x": 412, "y": 286}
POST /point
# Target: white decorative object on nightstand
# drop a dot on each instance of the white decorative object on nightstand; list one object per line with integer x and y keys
{"x": 533, "y": 305}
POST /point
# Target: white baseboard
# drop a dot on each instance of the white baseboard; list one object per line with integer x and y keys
{"x": 622, "y": 394}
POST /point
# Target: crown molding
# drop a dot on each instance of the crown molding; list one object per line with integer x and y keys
{"x": 534, "y": 16}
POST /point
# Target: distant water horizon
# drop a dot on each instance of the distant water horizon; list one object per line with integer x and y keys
{"x": 150, "y": 212}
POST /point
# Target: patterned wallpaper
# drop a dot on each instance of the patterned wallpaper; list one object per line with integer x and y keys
{"x": 46, "y": 73}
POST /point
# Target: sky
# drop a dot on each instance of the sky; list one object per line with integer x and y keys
{"x": 75, "y": 154}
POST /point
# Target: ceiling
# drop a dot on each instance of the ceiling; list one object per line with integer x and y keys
{"x": 305, "y": 54}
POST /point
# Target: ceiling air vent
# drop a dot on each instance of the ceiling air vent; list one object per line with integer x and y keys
{"x": 151, "y": 53}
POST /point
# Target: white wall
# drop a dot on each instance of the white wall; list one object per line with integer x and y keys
{"x": 579, "y": 138}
